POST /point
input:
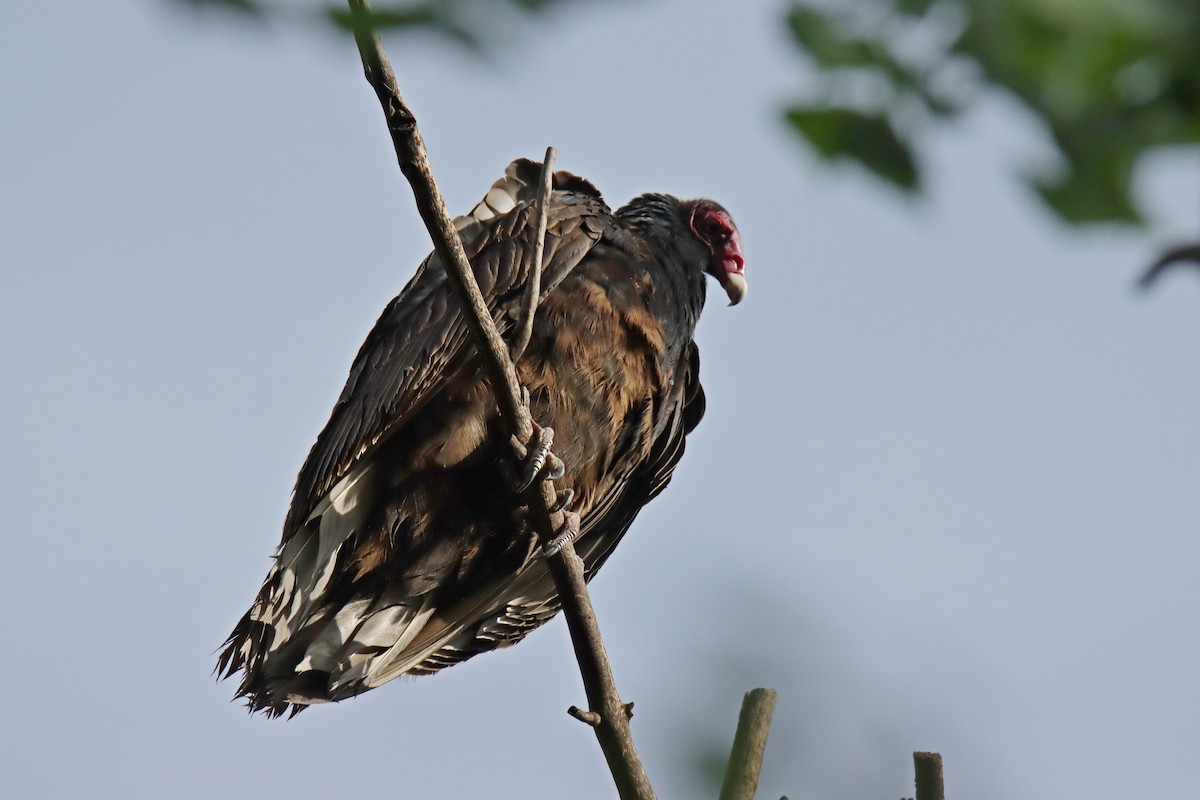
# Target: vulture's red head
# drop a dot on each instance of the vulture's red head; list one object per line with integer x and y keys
{"x": 712, "y": 225}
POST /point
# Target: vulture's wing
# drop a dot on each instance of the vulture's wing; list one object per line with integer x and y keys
{"x": 417, "y": 345}
{"x": 508, "y": 610}
{"x": 614, "y": 512}
{"x": 421, "y": 335}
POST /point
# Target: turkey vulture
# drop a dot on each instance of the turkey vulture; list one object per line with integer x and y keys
{"x": 404, "y": 550}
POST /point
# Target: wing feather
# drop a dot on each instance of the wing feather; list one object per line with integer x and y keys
{"x": 421, "y": 336}
{"x": 510, "y": 609}
{"x": 418, "y": 344}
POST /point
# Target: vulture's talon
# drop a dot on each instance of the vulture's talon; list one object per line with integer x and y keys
{"x": 555, "y": 468}
{"x": 563, "y": 500}
{"x": 536, "y": 458}
{"x": 567, "y": 534}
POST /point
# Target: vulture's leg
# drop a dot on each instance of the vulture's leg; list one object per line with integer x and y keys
{"x": 569, "y": 532}
{"x": 540, "y": 462}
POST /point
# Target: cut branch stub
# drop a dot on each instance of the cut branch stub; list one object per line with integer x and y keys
{"x": 586, "y": 717}
{"x": 745, "y": 759}
{"x": 929, "y": 776}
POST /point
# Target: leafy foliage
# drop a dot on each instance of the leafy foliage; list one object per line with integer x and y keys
{"x": 430, "y": 15}
{"x": 470, "y": 23}
{"x": 1111, "y": 79}
{"x": 866, "y": 138}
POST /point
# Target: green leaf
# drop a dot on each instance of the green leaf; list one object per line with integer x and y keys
{"x": 869, "y": 139}
{"x": 1086, "y": 196}
{"x": 384, "y": 19}
{"x": 823, "y": 38}
{"x": 534, "y": 5}
{"x": 431, "y": 16}
{"x": 837, "y": 45}
{"x": 914, "y": 8}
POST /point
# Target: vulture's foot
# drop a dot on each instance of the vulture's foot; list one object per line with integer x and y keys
{"x": 562, "y": 500}
{"x": 539, "y": 462}
{"x": 567, "y": 534}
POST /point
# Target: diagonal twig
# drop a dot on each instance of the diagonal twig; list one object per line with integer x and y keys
{"x": 612, "y": 729}
{"x": 414, "y": 163}
{"x": 533, "y": 285}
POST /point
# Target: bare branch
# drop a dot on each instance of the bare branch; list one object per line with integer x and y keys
{"x": 414, "y": 163}
{"x": 929, "y": 776}
{"x": 1184, "y": 254}
{"x": 745, "y": 760}
{"x": 612, "y": 731}
{"x": 533, "y": 285}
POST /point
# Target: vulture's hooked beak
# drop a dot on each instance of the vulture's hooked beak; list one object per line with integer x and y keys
{"x": 730, "y": 269}
{"x": 733, "y": 281}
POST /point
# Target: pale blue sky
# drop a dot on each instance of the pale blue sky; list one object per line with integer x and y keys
{"x": 944, "y": 496}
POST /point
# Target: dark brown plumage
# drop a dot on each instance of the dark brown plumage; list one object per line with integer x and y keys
{"x": 401, "y": 552}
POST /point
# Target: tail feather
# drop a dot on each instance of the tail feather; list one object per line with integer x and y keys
{"x": 342, "y": 646}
